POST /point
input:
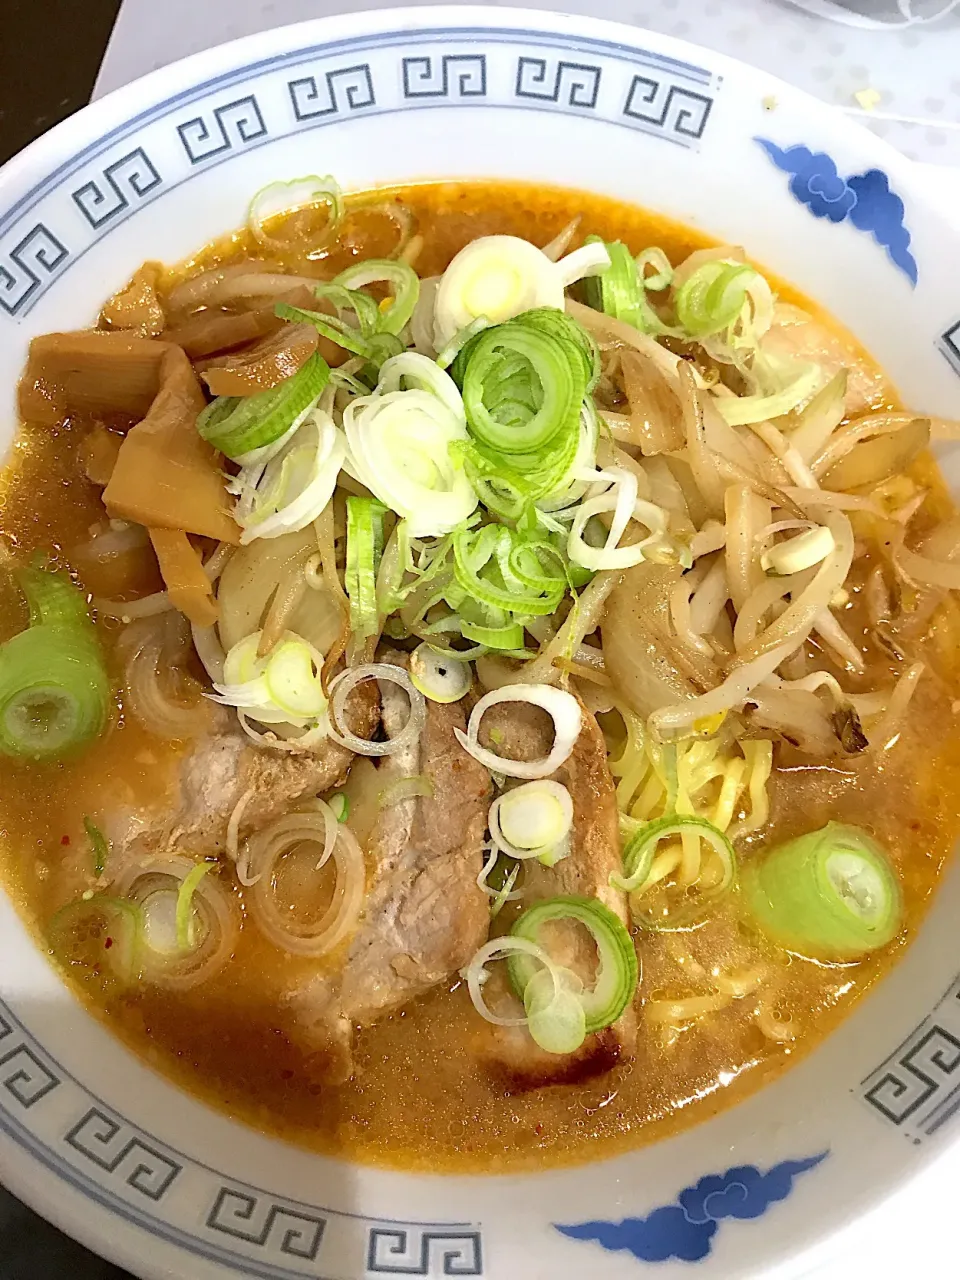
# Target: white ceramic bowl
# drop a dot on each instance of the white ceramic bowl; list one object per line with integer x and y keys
{"x": 91, "y": 1137}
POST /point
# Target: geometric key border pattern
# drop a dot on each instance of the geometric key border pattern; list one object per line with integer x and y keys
{"x": 916, "y": 1090}
{"x": 145, "y": 1182}
{"x": 52, "y": 226}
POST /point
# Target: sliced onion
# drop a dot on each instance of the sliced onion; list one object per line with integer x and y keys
{"x": 155, "y": 886}
{"x": 343, "y": 685}
{"x": 531, "y": 821}
{"x": 677, "y": 719}
{"x": 146, "y": 699}
{"x": 475, "y": 973}
{"x": 563, "y": 709}
{"x": 317, "y": 824}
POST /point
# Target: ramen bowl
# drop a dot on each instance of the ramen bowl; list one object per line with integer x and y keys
{"x": 90, "y": 1135}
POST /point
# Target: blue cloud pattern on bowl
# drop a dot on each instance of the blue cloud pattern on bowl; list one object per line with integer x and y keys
{"x": 865, "y": 199}
{"x": 686, "y": 1228}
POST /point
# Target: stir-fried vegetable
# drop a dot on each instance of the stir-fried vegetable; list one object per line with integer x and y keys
{"x": 831, "y": 894}
{"x": 54, "y": 689}
{"x": 485, "y": 448}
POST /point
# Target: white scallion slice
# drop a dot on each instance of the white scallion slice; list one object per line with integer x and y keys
{"x": 292, "y": 489}
{"x": 438, "y": 678}
{"x": 563, "y": 709}
{"x": 532, "y": 820}
{"x": 475, "y": 974}
{"x": 282, "y": 688}
{"x": 498, "y": 277}
{"x": 399, "y": 446}
{"x": 556, "y": 1018}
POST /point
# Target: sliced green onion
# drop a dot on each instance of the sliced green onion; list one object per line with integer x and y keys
{"x": 99, "y": 935}
{"x": 185, "y": 913}
{"x": 507, "y": 637}
{"x": 460, "y": 339}
{"x": 338, "y": 331}
{"x": 402, "y": 279}
{"x": 621, "y": 290}
{"x": 290, "y": 197}
{"x": 642, "y": 845}
{"x": 250, "y": 429}
{"x": 54, "y": 690}
{"x": 293, "y": 679}
{"x": 617, "y": 974}
{"x": 282, "y": 688}
{"x": 416, "y": 786}
{"x": 520, "y": 388}
{"x": 501, "y": 276}
{"x": 340, "y": 805}
{"x": 364, "y": 549}
{"x": 556, "y": 1018}
{"x": 486, "y": 561}
{"x": 802, "y": 552}
{"x": 98, "y": 845}
{"x": 532, "y": 820}
{"x": 344, "y": 301}
{"x": 293, "y": 488}
{"x": 438, "y": 678}
{"x": 580, "y": 344}
{"x": 52, "y": 598}
{"x": 830, "y": 895}
{"x": 738, "y": 411}
{"x": 400, "y": 446}
{"x": 713, "y": 296}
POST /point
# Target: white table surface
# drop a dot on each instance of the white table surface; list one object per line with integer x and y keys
{"x": 917, "y": 73}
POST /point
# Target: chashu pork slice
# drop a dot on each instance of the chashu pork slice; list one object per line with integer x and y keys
{"x": 524, "y": 732}
{"x": 424, "y": 915}
{"x": 225, "y": 767}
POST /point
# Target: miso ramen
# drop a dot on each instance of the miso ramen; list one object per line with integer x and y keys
{"x": 478, "y": 672}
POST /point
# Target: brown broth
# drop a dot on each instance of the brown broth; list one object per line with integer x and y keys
{"x": 417, "y": 1099}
